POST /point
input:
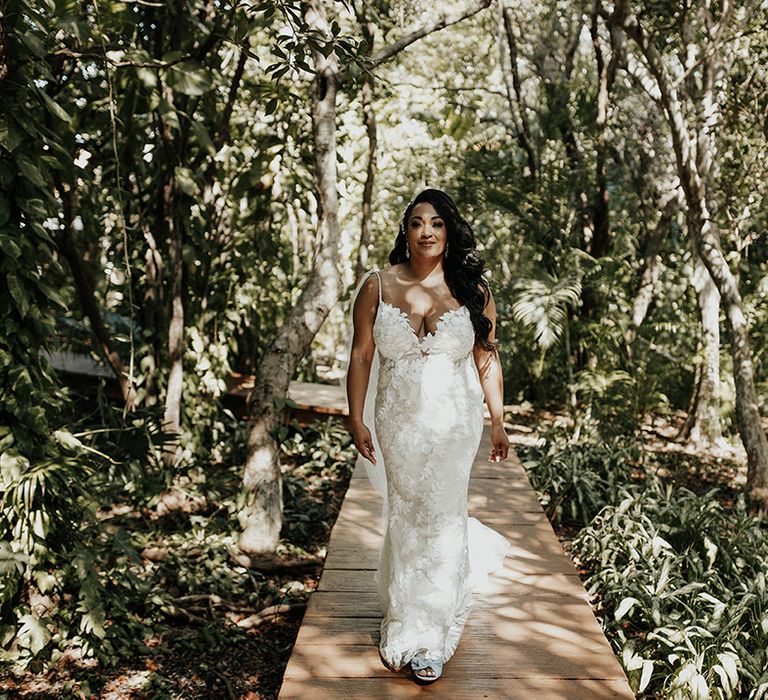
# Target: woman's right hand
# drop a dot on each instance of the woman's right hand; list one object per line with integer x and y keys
{"x": 364, "y": 442}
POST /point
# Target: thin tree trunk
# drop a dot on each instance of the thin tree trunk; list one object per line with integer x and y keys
{"x": 261, "y": 516}
{"x": 3, "y": 64}
{"x": 606, "y": 72}
{"x": 152, "y": 307}
{"x": 649, "y": 272}
{"x": 87, "y": 297}
{"x": 369, "y": 119}
{"x": 702, "y": 428}
{"x": 172, "y": 416}
{"x": 514, "y": 88}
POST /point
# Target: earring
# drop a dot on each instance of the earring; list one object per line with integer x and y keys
{"x": 407, "y": 249}
{"x": 445, "y": 254}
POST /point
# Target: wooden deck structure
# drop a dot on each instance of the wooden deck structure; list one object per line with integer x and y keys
{"x": 312, "y": 401}
{"x": 533, "y": 632}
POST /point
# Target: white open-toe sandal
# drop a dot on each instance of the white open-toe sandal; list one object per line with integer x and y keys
{"x": 419, "y": 665}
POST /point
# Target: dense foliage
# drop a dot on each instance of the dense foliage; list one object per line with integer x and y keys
{"x": 677, "y": 577}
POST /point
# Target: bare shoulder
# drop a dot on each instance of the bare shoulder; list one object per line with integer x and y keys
{"x": 369, "y": 291}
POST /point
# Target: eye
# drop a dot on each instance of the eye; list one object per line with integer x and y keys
{"x": 438, "y": 224}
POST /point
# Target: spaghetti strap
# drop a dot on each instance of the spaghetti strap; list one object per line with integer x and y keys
{"x": 376, "y": 272}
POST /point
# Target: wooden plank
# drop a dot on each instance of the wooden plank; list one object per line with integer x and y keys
{"x": 469, "y": 688}
{"x": 520, "y": 583}
{"x": 481, "y": 469}
{"x": 534, "y": 547}
{"x": 319, "y": 629}
{"x": 350, "y": 580}
{"x": 326, "y": 398}
{"x": 484, "y": 495}
{"x": 475, "y": 657}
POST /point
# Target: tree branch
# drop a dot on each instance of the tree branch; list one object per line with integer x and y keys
{"x": 443, "y": 20}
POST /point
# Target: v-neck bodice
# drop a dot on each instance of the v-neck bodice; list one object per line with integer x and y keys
{"x": 395, "y": 337}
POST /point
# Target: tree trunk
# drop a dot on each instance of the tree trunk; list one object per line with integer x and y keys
{"x": 514, "y": 88}
{"x": 369, "y": 118}
{"x": 172, "y": 416}
{"x": 87, "y": 296}
{"x": 747, "y": 411}
{"x": 702, "y": 428}
{"x": 649, "y": 272}
{"x": 261, "y": 515}
{"x": 606, "y": 72}
{"x": 152, "y": 308}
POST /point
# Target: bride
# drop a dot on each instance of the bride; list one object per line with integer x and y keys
{"x": 423, "y": 356}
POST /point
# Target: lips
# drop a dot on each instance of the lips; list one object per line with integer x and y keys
{"x": 426, "y": 243}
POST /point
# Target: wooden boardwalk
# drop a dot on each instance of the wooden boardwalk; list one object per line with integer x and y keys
{"x": 533, "y": 632}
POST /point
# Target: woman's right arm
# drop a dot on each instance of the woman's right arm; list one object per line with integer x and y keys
{"x": 361, "y": 357}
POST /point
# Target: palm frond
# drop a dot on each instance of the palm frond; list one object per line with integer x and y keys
{"x": 541, "y": 303}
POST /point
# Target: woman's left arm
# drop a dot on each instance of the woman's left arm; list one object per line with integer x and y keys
{"x": 489, "y": 368}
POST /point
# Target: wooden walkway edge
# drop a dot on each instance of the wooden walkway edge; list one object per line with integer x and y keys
{"x": 533, "y": 632}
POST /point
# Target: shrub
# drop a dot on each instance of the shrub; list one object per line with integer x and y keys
{"x": 678, "y": 579}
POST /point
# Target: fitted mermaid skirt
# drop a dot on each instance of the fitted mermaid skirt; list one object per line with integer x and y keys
{"x": 428, "y": 419}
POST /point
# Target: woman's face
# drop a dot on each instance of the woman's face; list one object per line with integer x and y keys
{"x": 426, "y": 231}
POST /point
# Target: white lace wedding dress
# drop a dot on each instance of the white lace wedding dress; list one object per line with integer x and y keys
{"x": 427, "y": 424}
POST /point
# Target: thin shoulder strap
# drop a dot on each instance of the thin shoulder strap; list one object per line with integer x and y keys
{"x": 378, "y": 277}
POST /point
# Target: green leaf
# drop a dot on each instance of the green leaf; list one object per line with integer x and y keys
{"x": 33, "y": 43}
{"x": 67, "y": 440}
{"x": 645, "y": 676}
{"x": 7, "y": 244}
{"x": 30, "y": 171}
{"x": 202, "y": 136}
{"x": 32, "y": 635}
{"x": 5, "y": 211}
{"x": 169, "y": 114}
{"x": 18, "y": 293}
{"x": 189, "y": 78}
{"x": 624, "y": 607}
{"x": 55, "y": 108}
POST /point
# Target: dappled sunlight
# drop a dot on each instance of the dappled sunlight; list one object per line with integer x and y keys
{"x": 531, "y": 630}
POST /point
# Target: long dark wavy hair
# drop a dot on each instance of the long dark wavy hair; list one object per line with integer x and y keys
{"x": 462, "y": 265}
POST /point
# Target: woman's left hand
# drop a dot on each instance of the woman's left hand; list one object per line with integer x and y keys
{"x": 499, "y": 444}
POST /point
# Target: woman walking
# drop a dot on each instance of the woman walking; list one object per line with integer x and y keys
{"x": 423, "y": 357}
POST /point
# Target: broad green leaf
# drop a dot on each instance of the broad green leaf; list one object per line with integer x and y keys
{"x": 202, "y": 136}
{"x": 645, "y": 676}
{"x": 5, "y": 212}
{"x": 30, "y": 171}
{"x": 729, "y": 662}
{"x": 67, "y": 440}
{"x": 33, "y": 43}
{"x": 32, "y": 635}
{"x": 189, "y": 78}
{"x": 169, "y": 114}
{"x": 55, "y": 108}
{"x": 18, "y": 293}
{"x": 699, "y": 688}
{"x": 624, "y": 607}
